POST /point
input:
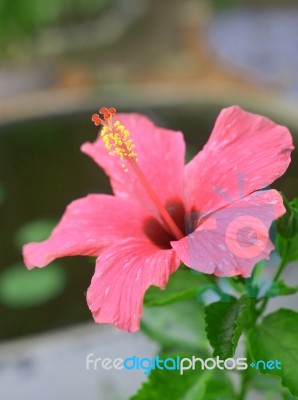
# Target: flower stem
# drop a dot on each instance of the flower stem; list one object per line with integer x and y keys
{"x": 279, "y": 271}
{"x": 245, "y": 378}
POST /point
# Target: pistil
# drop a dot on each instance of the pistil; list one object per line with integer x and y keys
{"x": 117, "y": 141}
{"x": 156, "y": 200}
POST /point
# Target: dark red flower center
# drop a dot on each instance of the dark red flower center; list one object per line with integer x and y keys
{"x": 158, "y": 232}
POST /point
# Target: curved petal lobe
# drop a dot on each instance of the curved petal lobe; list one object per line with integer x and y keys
{"x": 161, "y": 159}
{"x": 123, "y": 273}
{"x": 88, "y": 225}
{"x": 232, "y": 240}
{"x": 244, "y": 153}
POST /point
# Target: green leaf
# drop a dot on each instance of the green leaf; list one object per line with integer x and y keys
{"x": 280, "y": 288}
{"x": 288, "y": 248}
{"x": 287, "y": 225}
{"x": 225, "y": 322}
{"x": 269, "y": 385}
{"x": 170, "y": 385}
{"x": 219, "y": 387}
{"x": 20, "y": 288}
{"x": 179, "y": 325}
{"x": 183, "y": 284}
{"x": 276, "y": 338}
{"x": 286, "y": 395}
{"x": 192, "y": 385}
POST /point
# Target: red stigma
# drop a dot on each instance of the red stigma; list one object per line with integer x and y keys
{"x": 96, "y": 119}
{"x": 106, "y": 113}
{"x": 103, "y": 110}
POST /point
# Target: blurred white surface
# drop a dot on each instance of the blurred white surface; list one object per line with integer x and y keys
{"x": 53, "y": 366}
{"x": 259, "y": 42}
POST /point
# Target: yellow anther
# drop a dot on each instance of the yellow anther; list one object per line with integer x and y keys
{"x": 115, "y": 137}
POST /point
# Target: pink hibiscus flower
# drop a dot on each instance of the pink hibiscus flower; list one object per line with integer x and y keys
{"x": 139, "y": 235}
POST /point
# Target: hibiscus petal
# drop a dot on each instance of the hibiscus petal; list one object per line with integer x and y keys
{"x": 88, "y": 225}
{"x": 123, "y": 274}
{"x": 244, "y": 153}
{"x": 232, "y": 240}
{"x": 161, "y": 159}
